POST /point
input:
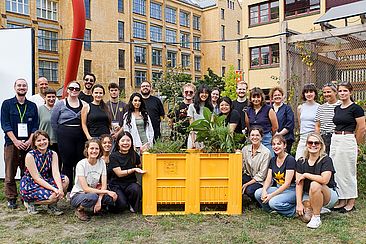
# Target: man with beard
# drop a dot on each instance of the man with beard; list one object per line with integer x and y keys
{"x": 241, "y": 102}
{"x": 42, "y": 85}
{"x": 19, "y": 120}
{"x": 154, "y": 107}
{"x": 89, "y": 81}
{"x": 180, "y": 119}
{"x": 117, "y": 109}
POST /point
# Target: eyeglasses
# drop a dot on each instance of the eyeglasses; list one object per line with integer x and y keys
{"x": 188, "y": 92}
{"x": 310, "y": 143}
{"x": 89, "y": 79}
{"x": 73, "y": 88}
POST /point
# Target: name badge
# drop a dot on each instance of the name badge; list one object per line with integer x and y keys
{"x": 22, "y": 130}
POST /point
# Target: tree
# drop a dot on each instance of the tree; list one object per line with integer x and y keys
{"x": 212, "y": 80}
{"x": 230, "y": 83}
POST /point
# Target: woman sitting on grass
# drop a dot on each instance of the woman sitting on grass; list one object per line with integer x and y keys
{"x": 124, "y": 163}
{"x": 315, "y": 185}
{"x": 281, "y": 197}
{"x": 42, "y": 182}
{"x": 90, "y": 189}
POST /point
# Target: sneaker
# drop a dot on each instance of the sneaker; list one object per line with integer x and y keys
{"x": 315, "y": 222}
{"x": 132, "y": 210}
{"x": 324, "y": 210}
{"x": 81, "y": 214}
{"x": 12, "y": 203}
{"x": 54, "y": 210}
{"x": 31, "y": 208}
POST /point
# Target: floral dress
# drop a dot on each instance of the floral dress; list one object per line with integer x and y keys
{"x": 29, "y": 189}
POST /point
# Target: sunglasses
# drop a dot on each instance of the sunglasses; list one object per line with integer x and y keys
{"x": 188, "y": 92}
{"x": 73, "y": 88}
{"x": 310, "y": 143}
{"x": 89, "y": 79}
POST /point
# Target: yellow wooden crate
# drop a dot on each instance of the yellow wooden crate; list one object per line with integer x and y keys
{"x": 192, "y": 181}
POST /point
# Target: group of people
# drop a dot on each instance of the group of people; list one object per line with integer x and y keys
{"x": 96, "y": 145}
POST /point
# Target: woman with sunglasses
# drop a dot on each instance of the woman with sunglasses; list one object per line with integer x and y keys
{"x": 95, "y": 116}
{"x": 66, "y": 122}
{"x": 285, "y": 116}
{"x": 261, "y": 114}
{"x": 306, "y": 116}
{"x": 349, "y": 119}
{"x": 315, "y": 185}
{"x": 324, "y": 115}
{"x": 278, "y": 192}
{"x": 202, "y": 99}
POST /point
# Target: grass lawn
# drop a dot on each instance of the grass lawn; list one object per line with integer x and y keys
{"x": 253, "y": 226}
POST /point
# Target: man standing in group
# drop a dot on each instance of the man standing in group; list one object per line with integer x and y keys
{"x": 117, "y": 109}
{"x": 19, "y": 120}
{"x": 89, "y": 81}
{"x": 39, "y": 98}
{"x": 241, "y": 102}
{"x": 180, "y": 119}
{"x": 154, "y": 107}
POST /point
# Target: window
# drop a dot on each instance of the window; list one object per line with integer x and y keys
{"x": 13, "y": 26}
{"x": 155, "y": 10}
{"x": 238, "y": 48}
{"x": 185, "y": 60}
{"x": 47, "y": 9}
{"x": 120, "y": 6}
{"x": 170, "y": 36}
{"x": 156, "y": 76}
{"x": 140, "y": 55}
{"x": 223, "y": 52}
{"x": 238, "y": 26}
{"x": 17, "y": 6}
{"x": 156, "y": 33}
{"x": 184, "y": 18}
{"x": 239, "y": 64}
{"x": 222, "y": 32}
{"x": 121, "y": 59}
{"x": 296, "y": 7}
{"x": 140, "y": 76}
{"x": 263, "y": 13}
{"x": 122, "y": 84}
{"x": 196, "y": 22}
{"x": 156, "y": 57}
{"x": 170, "y": 15}
{"x": 121, "y": 30}
{"x": 265, "y": 55}
{"x": 49, "y": 70}
{"x": 172, "y": 59}
{"x": 196, "y": 43}
{"x": 87, "y": 66}
{"x": 197, "y": 63}
{"x": 139, "y": 30}
{"x": 223, "y": 71}
{"x": 184, "y": 39}
{"x": 87, "y": 9}
{"x": 47, "y": 40}
{"x": 87, "y": 39}
{"x": 139, "y": 7}
{"x": 222, "y": 13}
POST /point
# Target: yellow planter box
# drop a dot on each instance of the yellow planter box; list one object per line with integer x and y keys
{"x": 192, "y": 181}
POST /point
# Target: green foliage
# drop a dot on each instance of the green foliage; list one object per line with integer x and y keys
{"x": 361, "y": 168}
{"x": 165, "y": 145}
{"x": 230, "y": 83}
{"x": 212, "y": 80}
{"x": 216, "y": 136}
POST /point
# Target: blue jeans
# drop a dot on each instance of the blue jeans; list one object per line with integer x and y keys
{"x": 267, "y": 142}
{"x": 283, "y": 203}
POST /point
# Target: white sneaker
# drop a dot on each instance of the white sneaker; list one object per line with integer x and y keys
{"x": 324, "y": 210}
{"x": 315, "y": 222}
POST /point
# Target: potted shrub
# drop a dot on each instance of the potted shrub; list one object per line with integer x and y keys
{"x": 194, "y": 181}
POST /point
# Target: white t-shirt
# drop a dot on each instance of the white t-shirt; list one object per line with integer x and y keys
{"x": 92, "y": 174}
{"x": 37, "y": 99}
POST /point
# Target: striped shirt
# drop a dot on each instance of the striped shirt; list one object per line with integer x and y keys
{"x": 324, "y": 115}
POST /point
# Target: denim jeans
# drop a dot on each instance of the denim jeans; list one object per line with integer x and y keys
{"x": 267, "y": 142}
{"x": 283, "y": 203}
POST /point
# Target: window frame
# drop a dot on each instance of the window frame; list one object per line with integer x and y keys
{"x": 166, "y": 36}
{"x": 171, "y": 64}
{"x": 156, "y": 57}
{"x": 121, "y": 59}
{"x": 139, "y": 7}
{"x": 9, "y": 4}
{"x": 271, "y": 56}
{"x": 197, "y": 43}
{"x": 120, "y": 6}
{"x": 185, "y": 60}
{"x": 159, "y": 12}
{"x": 184, "y": 42}
{"x": 142, "y": 55}
{"x": 159, "y": 34}
{"x": 87, "y": 39}
{"x": 121, "y": 30}
{"x": 43, "y": 12}
{"x": 184, "y": 18}
{"x": 196, "y": 22}
{"x": 269, "y": 14}
{"x": 197, "y": 63}
{"x": 87, "y": 9}
{"x": 172, "y": 13}
{"x": 141, "y": 77}
{"x": 142, "y": 31}
{"x": 51, "y": 39}
{"x": 53, "y": 69}
{"x": 308, "y": 8}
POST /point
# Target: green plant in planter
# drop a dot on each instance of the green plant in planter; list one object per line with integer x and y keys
{"x": 166, "y": 145}
{"x": 215, "y": 134}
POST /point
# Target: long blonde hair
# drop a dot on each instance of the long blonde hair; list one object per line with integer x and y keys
{"x": 322, "y": 153}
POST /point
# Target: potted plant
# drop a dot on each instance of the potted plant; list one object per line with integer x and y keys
{"x": 191, "y": 181}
